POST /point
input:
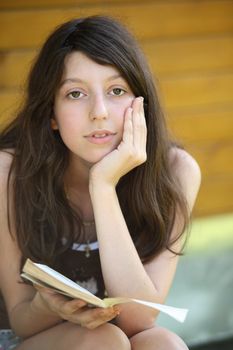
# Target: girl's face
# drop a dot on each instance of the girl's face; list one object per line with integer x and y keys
{"x": 89, "y": 108}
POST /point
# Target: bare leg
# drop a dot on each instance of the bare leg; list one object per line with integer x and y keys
{"x": 157, "y": 338}
{"x": 68, "y": 336}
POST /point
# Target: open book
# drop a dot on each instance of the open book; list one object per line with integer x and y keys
{"x": 47, "y": 277}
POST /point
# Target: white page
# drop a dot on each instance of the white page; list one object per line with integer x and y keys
{"x": 62, "y": 278}
{"x": 176, "y": 313}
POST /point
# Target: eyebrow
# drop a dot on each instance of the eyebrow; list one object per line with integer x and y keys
{"x": 77, "y": 80}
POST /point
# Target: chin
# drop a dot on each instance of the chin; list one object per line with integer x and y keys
{"x": 97, "y": 157}
{"x": 90, "y": 158}
{"x": 90, "y": 161}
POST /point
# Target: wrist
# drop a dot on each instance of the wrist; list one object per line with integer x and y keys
{"x": 97, "y": 186}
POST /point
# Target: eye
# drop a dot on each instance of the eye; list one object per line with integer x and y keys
{"x": 75, "y": 95}
{"x": 117, "y": 91}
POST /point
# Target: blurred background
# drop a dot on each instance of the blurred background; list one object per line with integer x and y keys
{"x": 189, "y": 45}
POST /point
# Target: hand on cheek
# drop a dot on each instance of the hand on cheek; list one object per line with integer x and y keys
{"x": 130, "y": 153}
{"x": 135, "y": 130}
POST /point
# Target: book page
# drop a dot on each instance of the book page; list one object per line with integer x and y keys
{"x": 58, "y": 276}
{"x": 44, "y": 275}
{"x": 178, "y": 314}
{"x": 45, "y": 285}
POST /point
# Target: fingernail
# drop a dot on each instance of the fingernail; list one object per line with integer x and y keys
{"x": 81, "y": 303}
{"x": 102, "y": 313}
{"x": 116, "y": 310}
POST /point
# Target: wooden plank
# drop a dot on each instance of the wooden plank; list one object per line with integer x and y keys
{"x": 14, "y": 68}
{"x": 173, "y": 57}
{"x": 197, "y": 90}
{"x": 169, "y": 57}
{"x": 214, "y": 158}
{"x": 147, "y": 20}
{"x": 18, "y": 4}
{"x": 215, "y": 196}
{"x": 193, "y": 126}
{"x": 9, "y": 103}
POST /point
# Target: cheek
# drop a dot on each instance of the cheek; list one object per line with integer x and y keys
{"x": 66, "y": 117}
{"x": 68, "y": 125}
{"x": 122, "y": 108}
{"x": 70, "y": 133}
{"x": 122, "y": 105}
{"x": 128, "y": 101}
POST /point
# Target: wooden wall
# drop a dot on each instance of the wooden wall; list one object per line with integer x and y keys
{"x": 189, "y": 44}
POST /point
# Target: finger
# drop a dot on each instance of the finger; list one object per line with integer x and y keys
{"x": 96, "y": 316}
{"x": 136, "y": 105}
{"x": 142, "y": 114}
{"x": 97, "y": 323}
{"x": 54, "y": 299}
{"x": 72, "y": 306}
{"x": 108, "y": 316}
{"x": 42, "y": 289}
{"x": 61, "y": 302}
{"x": 144, "y": 126}
{"x": 139, "y": 125}
{"x": 128, "y": 127}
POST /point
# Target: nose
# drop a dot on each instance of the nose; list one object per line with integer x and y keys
{"x": 98, "y": 108}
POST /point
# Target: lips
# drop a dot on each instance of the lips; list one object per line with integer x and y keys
{"x": 100, "y": 133}
{"x": 100, "y": 136}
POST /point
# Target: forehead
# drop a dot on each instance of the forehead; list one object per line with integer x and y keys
{"x": 77, "y": 64}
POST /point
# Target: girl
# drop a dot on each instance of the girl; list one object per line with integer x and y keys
{"x": 91, "y": 185}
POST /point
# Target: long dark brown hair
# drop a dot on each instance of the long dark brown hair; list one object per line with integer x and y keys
{"x": 149, "y": 195}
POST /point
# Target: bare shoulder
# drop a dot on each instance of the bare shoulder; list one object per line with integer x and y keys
{"x": 183, "y": 163}
{"x": 187, "y": 171}
{"x": 5, "y": 164}
{"x": 6, "y": 157}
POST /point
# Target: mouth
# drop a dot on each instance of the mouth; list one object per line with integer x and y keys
{"x": 100, "y": 136}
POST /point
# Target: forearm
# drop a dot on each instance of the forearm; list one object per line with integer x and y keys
{"x": 31, "y": 317}
{"x": 119, "y": 258}
{"x": 123, "y": 272}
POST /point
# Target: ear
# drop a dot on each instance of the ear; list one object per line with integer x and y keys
{"x": 53, "y": 124}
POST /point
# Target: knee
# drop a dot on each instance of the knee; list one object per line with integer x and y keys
{"x": 105, "y": 337}
{"x": 157, "y": 338}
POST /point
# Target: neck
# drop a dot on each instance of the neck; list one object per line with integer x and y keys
{"x": 77, "y": 174}
{"x": 76, "y": 182}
